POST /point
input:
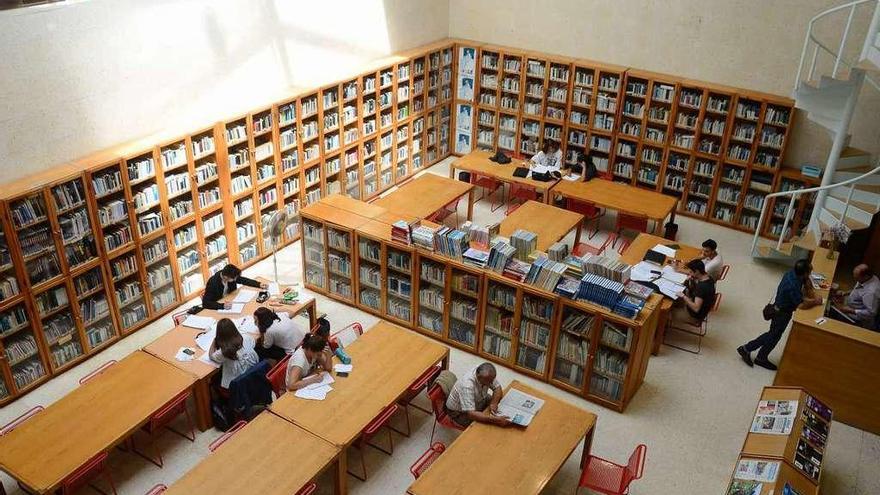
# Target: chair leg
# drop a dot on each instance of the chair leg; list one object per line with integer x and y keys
{"x": 363, "y": 466}
{"x": 408, "y": 431}
{"x": 189, "y": 423}
{"x": 390, "y": 451}
{"x": 153, "y": 447}
{"x": 420, "y": 408}
{"x": 433, "y": 429}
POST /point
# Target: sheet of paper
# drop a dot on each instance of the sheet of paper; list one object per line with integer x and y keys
{"x": 246, "y": 324}
{"x": 185, "y": 356}
{"x": 326, "y": 380}
{"x": 669, "y": 252}
{"x": 236, "y": 308}
{"x": 539, "y": 169}
{"x": 203, "y": 340}
{"x": 319, "y": 393}
{"x": 343, "y": 368}
{"x": 207, "y": 360}
{"x": 571, "y": 177}
{"x": 244, "y": 296}
{"x": 274, "y": 289}
{"x": 200, "y": 322}
{"x": 643, "y": 272}
{"x": 668, "y": 288}
{"x": 670, "y": 274}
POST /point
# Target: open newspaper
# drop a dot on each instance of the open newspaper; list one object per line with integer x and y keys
{"x": 520, "y": 407}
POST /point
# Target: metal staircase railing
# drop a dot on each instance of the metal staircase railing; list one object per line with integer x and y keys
{"x": 798, "y": 192}
{"x": 836, "y": 56}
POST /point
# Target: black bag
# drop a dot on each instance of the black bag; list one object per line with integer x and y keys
{"x": 769, "y": 312}
{"x": 521, "y": 172}
{"x": 221, "y": 415}
{"x": 499, "y": 157}
{"x": 194, "y": 310}
{"x": 464, "y": 177}
{"x": 545, "y": 177}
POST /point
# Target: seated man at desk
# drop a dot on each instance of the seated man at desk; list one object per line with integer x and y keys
{"x": 694, "y": 304}
{"x": 711, "y": 259}
{"x": 471, "y": 395}
{"x": 862, "y": 302}
{"x": 225, "y": 282}
{"x": 550, "y": 157}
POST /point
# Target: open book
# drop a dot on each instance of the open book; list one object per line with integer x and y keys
{"x": 520, "y": 407}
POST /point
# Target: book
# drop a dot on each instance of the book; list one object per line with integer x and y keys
{"x": 520, "y": 407}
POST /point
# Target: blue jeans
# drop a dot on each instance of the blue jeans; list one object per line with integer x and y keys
{"x": 765, "y": 342}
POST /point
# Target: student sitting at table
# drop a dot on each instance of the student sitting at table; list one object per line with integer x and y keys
{"x": 225, "y": 282}
{"x": 711, "y": 259}
{"x": 471, "y": 395}
{"x": 279, "y": 333}
{"x": 233, "y": 352}
{"x": 308, "y": 363}
{"x": 550, "y": 156}
{"x": 694, "y": 304}
{"x": 586, "y": 166}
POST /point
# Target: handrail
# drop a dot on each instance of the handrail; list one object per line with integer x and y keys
{"x": 797, "y": 192}
{"x": 837, "y": 56}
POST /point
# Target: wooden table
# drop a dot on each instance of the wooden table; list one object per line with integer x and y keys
{"x": 427, "y": 194}
{"x": 636, "y": 252}
{"x": 477, "y": 162}
{"x": 167, "y": 346}
{"x": 269, "y": 456}
{"x": 490, "y": 459}
{"x": 89, "y": 420}
{"x": 620, "y": 197}
{"x": 549, "y": 222}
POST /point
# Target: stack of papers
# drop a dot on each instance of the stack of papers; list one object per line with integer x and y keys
{"x": 199, "y": 322}
{"x": 317, "y": 391}
{"x": 666, "y": 279}
{"x": 244, "y": 296}
{"x": 236, "y": 308}
{"x": 274, "y": 289}
{"x": 665, "y": 250}
{"x": 343, "y": 368}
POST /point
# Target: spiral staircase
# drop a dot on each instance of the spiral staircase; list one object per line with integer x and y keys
{"x": 850, "y": 189}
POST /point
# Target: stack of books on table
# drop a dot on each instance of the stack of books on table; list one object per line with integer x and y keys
{"x": 629, "y": 306}
{"x": 575, "y": 265}
{"x": 480, "y": 235}
{"x": 611, "y": 269}
{"x": 558, "y": 251}
{"x": 516, "y": 270}
{"x": 450, "y": 242}
{"x": 568, "y": 287}
{"x": 475, "y": 257}
{"x": 401, "y": 232}
{"x": 423, "y": 237}
{"x": 499, "y": 255}
{"x": 545, "y": 273}
{"x": 524, "y": 242}
{"x": 600, "y": 290}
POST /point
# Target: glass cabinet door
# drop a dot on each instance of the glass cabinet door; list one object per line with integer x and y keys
{"x": 499, "y": 321}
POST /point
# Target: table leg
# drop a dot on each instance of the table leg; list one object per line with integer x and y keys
{"x": 444, "y": 363}
{"x": 340, "y": 482}
{"x": 451, "y": 171}
{"x": 577, "y": 233}
{"x": 470, "y": 204}
{"x": 202, "y": 396}
{"x": 660, "y": 332}
{"x": 588, "y": 446}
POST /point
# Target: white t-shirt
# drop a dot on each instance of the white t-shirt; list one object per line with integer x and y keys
{"x": 714, "y": 266}
{"x": 230, "y": 369}
{"x": 301, "y": 361}
{"x": 284, "y": 333}
{"x": 553, "y": 161}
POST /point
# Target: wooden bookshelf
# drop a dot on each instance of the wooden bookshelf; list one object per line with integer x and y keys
{"x": 665, "y": 133}
{"x": 799, "y": 451}
{"x": 128, "y": 233}
{"x": 349, "y": 255}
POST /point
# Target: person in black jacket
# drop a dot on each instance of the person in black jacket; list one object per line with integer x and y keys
{"x": 225, "y": 282}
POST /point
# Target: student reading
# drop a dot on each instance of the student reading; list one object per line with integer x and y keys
{"x": 694, "y": 304}
{"x": 224, "y": 282}
{"x": 233, "y": 352}
{"x": 471, "y": 395}
{"x": 550, "y": 156}
{"x": 279, "y": 333}
{"x": 308, "y": 363}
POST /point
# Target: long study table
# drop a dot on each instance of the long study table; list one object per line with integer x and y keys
{"x": 427, "y": 194}
{"x": 477, "y": 162}
{"x": 91, "y": 419}
{"x": 512, "y": 460}
{"x": 549, "y": 222}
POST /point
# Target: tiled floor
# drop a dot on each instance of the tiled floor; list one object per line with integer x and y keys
{"x": 692, "y": 411}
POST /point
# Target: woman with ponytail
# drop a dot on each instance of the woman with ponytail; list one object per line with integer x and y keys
{"x": 279, "y": 334}
{"x": 308, "y": 363}
{"x": 232, "y": 351}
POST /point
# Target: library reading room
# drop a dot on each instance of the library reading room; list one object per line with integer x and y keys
{"x": 440, "y": 247}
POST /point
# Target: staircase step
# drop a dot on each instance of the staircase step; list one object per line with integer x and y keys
{"x": 828, "y": 100}
{"x": 852, "y": 158}
{"x": 841, "y": 193}
{"x": 852, "y": 173}
{"x": 828, "y": 218}
{"x": 854, "y": 212}
{"x": 806, "y": 241}
{"x": 865, "y": 194}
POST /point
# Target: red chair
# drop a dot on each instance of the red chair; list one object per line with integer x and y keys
{"x": 355, "y": 327}
{"x": 438, "y": 404}
{"x": 277, "y": 376}
{"x": 604, "y": 476}
{"x": 85, "y": 474}
{"x": 308, "y": 489}
{"x": 415, "y": 388}
{"x": 583, "y": 248}
{"x": 161, "y": 420}
{"x": 156, "y": 490}
{"x": 178, "y": 318}
{"x": 606, "y": 174}
{"x": 369, "y": 432}
{"x": 97, "y": 372}
{"x": 724, "y": 270}
{"x": 629, "y": 222}
{"x": 623, "y": 246}
{"x": 226, "y": 436}
{"x": 424, "y": 462}
{"x": 521, "y": 192}
{"x": 489, "y": 185}
{"x": 443, "y": 213}
{"x": 699, "y": 331}
{"x": 591, "y": 213}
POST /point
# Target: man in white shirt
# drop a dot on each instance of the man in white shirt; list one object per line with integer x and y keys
{"x": 863, "y": 301}
{"x": 550, "y": 157}
{"x": 471, "y": 395}
{"x": 711, "y": 259}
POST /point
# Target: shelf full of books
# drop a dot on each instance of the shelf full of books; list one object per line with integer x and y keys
{"x": 785, "y": 446}
{"x": 553, "y": 320}
{"x": 698, "y": 141}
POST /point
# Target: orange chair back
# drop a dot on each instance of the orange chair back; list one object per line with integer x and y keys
{"x": 277, "y": 376}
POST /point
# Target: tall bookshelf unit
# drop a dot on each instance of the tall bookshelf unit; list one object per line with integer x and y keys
{"x": 718, "y": 149}
{"x": 349, "y": 255}
{"x": 94, "y": 250}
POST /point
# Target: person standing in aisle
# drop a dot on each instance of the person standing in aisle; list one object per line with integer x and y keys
{"x": 794, "y": 292}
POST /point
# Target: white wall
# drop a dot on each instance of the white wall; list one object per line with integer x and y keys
{"x": 84, "y": 76}
{"x": 753, "y": 44}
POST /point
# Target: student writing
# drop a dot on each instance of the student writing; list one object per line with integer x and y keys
{"x": 224, "y": 282}
{"x": 308, "y": 364}
{"x": 279, "y": 333}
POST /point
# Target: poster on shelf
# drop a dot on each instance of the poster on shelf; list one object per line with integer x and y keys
{"x": 464, "y": 117}
{"x": 467, "y": 61}
{"x": 462, "y": 142}
{"x": 465, "y": 88}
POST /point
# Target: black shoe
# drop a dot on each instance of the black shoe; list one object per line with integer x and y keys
{"x": 745, "y": 355}
{"x": 764, "y": 363}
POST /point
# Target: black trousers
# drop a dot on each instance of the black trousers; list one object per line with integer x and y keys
{"x": 274, "y": 352}
{"x": 765, "y": 342}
